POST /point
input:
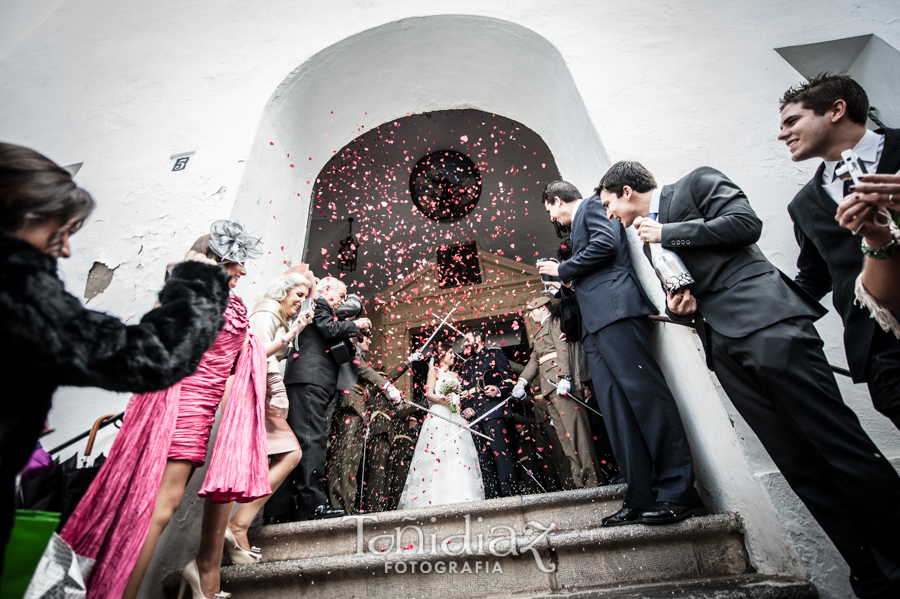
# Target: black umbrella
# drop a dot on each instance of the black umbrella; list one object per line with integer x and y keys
{"x": 61, "y": 487}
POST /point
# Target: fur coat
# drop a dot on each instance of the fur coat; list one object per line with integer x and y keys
{"x": 49, "y": 339}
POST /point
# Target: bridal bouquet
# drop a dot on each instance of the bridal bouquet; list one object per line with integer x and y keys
{"x": 449, "y": 390}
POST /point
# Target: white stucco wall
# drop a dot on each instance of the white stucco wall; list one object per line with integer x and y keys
{"x": 123, "y": 86}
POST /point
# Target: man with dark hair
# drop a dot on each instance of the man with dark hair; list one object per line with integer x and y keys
{"x": 757, "y": 329}
{"x": 641, "y": 415}
{"x": 820, "y": 119}
{"x": 488, "y": 379}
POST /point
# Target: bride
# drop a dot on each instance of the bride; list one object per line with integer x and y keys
{"x": 450, "y": 473}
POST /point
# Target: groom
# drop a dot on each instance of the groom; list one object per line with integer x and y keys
{"x": 487, "y": 379}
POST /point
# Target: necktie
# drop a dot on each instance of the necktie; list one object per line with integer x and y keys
{"x": 848, "y": 182}
{"x": 655, "y": 216}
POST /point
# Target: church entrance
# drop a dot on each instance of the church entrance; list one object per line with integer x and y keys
{"x": 446, "y": 212}
{"x": 424, "y": 166}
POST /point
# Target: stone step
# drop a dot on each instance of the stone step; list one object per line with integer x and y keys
{"x": 558, "y": 561}
{"x": 563, "y": 511}
{"x": 741, "y": 586}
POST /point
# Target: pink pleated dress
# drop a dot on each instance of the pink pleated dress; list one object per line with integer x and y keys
{"x": 202, "y": 391}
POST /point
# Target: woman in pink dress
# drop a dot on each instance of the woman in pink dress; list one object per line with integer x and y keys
{"x": 199, "y": 400}
{"x": 280, "y": 303}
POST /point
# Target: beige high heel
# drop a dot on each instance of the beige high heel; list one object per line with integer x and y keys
{"x": 238, "y": 555}
{"x": 190, "y": 576}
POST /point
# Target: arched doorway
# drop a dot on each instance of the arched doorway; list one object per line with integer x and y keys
{"x": 397, "y": 247}
{"x": 416, "y": 66}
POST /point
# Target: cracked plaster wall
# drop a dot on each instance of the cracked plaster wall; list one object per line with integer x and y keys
{"x": 122, "y": 87}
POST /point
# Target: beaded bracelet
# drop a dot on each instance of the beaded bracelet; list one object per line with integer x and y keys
{"x": 880, "y": 253}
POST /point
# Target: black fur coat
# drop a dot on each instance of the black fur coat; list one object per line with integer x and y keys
{"x": 49, "y": 339}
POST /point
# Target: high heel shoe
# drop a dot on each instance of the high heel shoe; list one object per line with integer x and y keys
{"x": 190, "y": 576}
{"x": 238, "y": 555}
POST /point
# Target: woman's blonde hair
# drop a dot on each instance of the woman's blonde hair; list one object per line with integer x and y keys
{"x": 278, "y": 288}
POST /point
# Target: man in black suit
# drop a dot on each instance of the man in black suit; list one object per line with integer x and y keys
{"x": 820, "y": 119}
{"x": 641, "y": 416}
{"x": 488, "y": 379}
{"x": 757, "y": 329}
{"x": 310, "y": 379}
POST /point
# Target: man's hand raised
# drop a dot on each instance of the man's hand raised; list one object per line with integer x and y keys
{"x": 648, "y": 230}
{"x": 682, "y": 303}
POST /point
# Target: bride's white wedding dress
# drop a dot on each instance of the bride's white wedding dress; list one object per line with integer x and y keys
{"x": 451, "y": 473}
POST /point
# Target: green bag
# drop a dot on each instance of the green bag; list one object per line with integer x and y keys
{"x": 30, "y": 535}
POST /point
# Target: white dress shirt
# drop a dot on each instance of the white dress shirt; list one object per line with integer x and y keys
{"x": 654, "y": 203}
{"x": 575, "y": 210}
{"x": 869, "y": 151}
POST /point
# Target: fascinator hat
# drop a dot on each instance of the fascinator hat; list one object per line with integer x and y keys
{"x": 229, "y": 241}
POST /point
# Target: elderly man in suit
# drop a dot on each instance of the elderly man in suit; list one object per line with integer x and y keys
{"x": 550, "y": 362}
{"x": 640, "y": 413}
{"x": 757, "y": 329}
{"x": 821, "y": 119}
{"x": 310, "y": 378}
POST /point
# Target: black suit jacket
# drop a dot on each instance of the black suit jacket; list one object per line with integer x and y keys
{"x": 606, "y": 285}
{"x": 487, "y": 367}
{"x": 709, "y": 223}
{"x": 314, "y": 364}
{"x": 830, "y": 257}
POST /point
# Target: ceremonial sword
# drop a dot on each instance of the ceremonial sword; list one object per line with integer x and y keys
{"x": 476, "y": 421}
{"x": 528, "y": 472}
{"x": 442, "y": 323}
{"x": 578, "y": 401}
{"x": 462, "y": 426}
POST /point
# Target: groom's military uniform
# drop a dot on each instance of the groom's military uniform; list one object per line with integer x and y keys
{"x": 485, "y": 368}
{"x": 550, "y": 361}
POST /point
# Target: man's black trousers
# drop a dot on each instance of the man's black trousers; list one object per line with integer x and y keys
{"x": 780, "y": 382}
{"x": 304, "y": 488}
{"x": 641, "y": 416}
{"x": 498, "y": 471}
{"x": 883, "y": 374}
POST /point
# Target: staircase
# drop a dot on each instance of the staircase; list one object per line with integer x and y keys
{"x": 527, "y": 546}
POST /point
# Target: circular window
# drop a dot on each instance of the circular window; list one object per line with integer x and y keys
{"x": 445, "y": 185}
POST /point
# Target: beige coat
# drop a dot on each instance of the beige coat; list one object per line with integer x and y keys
{"x": 268, "y": 322}
{"x": 546, "y": 340}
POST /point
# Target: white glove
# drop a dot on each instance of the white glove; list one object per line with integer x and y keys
{"x": 563, "y": 387}
{"x": 518, "y": 391}
{"x": 392, "y": 392}
{"x": 415, "y": 357}
{"x": 278, "y": 399}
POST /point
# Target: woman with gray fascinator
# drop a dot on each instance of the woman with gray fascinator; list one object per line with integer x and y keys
{"x": 241, "y": 445}
{"x": 280, "y": 304}
{"x": 173, "y": 443}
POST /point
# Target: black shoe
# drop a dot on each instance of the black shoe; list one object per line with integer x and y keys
{"x": 626, "y": 515}
{"x": 326, "y": 511}
{"x": 320, "y": 512}
{"x": 663, "y": 512}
